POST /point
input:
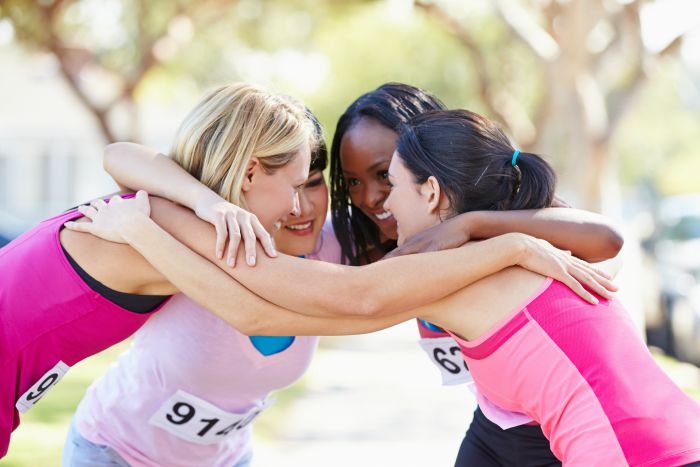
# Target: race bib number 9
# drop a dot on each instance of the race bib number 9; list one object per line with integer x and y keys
{"x": 196, "y": 420}
{"x": 41, "y": 387}
{"x": 447, "y": 357}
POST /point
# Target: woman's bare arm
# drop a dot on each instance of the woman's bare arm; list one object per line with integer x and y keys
{"x": 142, "y": 168}
{"x": 322, "y": 289}
{"x": 587, "y": 235}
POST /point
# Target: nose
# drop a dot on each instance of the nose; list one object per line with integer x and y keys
{"x": 296, "y": 209}
{"x": 304, "y": 203}
{"x": 374, "y": 195}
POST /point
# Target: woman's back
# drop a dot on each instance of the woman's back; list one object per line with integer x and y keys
{"x": 50, "y": 319}
{"x": 586, "y": 376}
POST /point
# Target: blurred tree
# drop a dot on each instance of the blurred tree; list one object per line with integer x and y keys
{"x": 591, "y": 62}
{"x": 106, "y": 48}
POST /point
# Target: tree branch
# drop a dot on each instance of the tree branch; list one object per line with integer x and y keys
{"x": 527, "y": 31}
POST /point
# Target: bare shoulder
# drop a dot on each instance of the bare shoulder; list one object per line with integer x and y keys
{"x": 115, "y": 265}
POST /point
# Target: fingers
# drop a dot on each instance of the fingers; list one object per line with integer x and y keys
{"x": 221, "y": 235}
{"x": 87, "y": 211}
{"x": 142, "y": 201}
{"x": 98, "y": 204}
{"x": 590, "y": 283}
{"x": 599, "y": 271}
{"x": 79, "y": 226}
{"x": 249, "y": 243}
{"x": 234, "y": 233}
{"x": 600, "y": 276}
{"x": 264, "y": 238}
{"x": 573, "y": 283}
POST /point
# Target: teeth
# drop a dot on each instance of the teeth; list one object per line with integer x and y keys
{"x": 383, "y": 216}
{"x": 299, "y": 226}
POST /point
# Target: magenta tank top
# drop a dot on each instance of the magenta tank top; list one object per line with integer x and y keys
{"x": 49, "y": 320}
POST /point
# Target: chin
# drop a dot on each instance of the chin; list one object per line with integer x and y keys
{"x": 390, "y": 233}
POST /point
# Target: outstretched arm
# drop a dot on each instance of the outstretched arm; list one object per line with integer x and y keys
{"x": 321, "y": 289}
{"x": 210, "y": 286}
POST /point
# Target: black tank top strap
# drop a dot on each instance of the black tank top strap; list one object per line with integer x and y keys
{"x": 133, "y": 302}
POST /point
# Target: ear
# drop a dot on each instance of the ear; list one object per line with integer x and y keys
{"x": 251, "y": 173}
{"x": 432, "y": 194}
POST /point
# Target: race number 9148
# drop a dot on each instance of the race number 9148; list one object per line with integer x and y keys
{"x": 193, "y": 419}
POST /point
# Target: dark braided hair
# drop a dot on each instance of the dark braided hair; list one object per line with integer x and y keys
{"x": 392, "y": 105}
{"x": 470, "y": 157}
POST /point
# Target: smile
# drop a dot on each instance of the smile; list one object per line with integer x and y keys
{"x": 304, "y": 226}
{"x": 383, "y": 216}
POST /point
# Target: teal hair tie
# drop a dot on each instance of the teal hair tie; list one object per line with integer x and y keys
{"x": 515, "y": 157}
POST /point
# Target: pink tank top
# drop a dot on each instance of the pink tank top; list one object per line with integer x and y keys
{"x": 187, "y": 378}
{"x": 49, "y": 320}
{"x": 583, "y": 372}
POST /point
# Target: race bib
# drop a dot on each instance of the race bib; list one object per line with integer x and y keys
{"x": 193, "y": 419}
{"x": 447, "y": 357}
{"x": 41, "y": 387}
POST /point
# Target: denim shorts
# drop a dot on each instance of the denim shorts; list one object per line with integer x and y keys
{"x": 79, "y": 452}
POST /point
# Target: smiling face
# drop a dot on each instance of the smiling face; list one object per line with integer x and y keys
{"x": 415, "y": 207}
{"x": 298, "y": 235}
{"x": 273, "y": 196}
{"x": 365, "y": 155}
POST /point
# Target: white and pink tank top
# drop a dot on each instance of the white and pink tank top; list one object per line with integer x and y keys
{"x": 187, "y": 390}
{"x": 49, "y": 320}
{"x": 189, "y": 386}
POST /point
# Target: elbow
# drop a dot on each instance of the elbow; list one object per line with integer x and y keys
{"x": 614, "y": 242}
{"x": 252, "y": 326}
{"x": 111, "y": 152}
{"x": 370, "y": 305}
{"x": 608, "y": 245}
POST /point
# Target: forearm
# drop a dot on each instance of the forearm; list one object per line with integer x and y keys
{"x": 141, "y": 168}
{"x": 587, "y": 235}
{"x": 404, "y": 283}
{"x": 316, "y": 288}
{"x": 206, "y": 284}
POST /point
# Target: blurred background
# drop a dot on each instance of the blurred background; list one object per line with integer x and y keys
{"x": 607, "y": 90}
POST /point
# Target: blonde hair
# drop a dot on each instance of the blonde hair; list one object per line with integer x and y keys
{"x": 234, "y": 123}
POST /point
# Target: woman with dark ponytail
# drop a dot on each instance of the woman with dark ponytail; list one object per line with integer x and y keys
{"x": 578, "y": 369}
{"x": 495, "y": 176}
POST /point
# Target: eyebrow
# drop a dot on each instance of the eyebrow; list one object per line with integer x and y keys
{"x": 371, "y": 168}
{"x": 375, "y": 165}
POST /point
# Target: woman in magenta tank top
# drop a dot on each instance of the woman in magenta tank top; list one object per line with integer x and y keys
{"x": 54, "y": 308}
{"x": 534, "y": 347}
